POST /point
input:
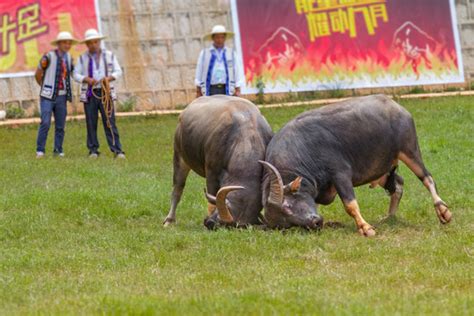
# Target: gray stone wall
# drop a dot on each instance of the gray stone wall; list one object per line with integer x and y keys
{"x": 157, "y": 43}
{"x": 465, "y": 15}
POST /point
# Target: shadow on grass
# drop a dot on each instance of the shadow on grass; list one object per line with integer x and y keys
{"x": 396, "y": 222}
{"x": 334, "y": 225}
{"x": 391, "y": 223}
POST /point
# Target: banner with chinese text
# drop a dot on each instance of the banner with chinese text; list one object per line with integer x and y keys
{"x": 28, "y": 26}
{"x": 302, "y": 45}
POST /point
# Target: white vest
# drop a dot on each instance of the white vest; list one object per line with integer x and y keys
{"x": 205, "y": 79}
{"x": 108, "y": 60}
{"x": 49, "y": 86}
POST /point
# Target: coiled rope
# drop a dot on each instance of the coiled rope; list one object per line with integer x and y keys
{"x": 107, "y": 102}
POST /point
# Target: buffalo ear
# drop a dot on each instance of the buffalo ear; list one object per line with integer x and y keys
{"x": 296, "y": 184}
{"x": 293, "y": 186}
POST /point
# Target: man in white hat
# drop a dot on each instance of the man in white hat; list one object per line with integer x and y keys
{"x": 96, "y": 70}
{"x": 218, "y": 70}
{"x": 54, "y": 76}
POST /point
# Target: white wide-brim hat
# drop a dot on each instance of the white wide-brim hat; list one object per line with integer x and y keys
{"x": 64, "y": 36}
{"x": 218, "y": 29}
{"x": 92, "y": 34}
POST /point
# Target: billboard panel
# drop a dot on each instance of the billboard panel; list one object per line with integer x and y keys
{"x": 302, "y": 45}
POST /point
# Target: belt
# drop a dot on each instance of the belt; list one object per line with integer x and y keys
{"x": 220, "y": 85}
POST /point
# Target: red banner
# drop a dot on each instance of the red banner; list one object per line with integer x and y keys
{"x": 303, "y": 45}
{"x": 28, "y": 26}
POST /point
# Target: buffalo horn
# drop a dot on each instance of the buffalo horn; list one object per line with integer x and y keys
{"x": 210, "y": 198}
{"x": 221, "y": 204}
{"x": 275, "y": 195}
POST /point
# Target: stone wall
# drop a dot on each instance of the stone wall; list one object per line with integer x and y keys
{"x": 157, "y": 43}
{"x": 465, "y": 15}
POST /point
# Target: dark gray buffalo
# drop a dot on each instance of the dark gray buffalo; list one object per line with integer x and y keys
{"x": 222, "y": 138}
{"x": 330, "y": 150}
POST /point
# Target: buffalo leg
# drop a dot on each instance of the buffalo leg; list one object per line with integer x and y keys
{"x": 396, "y": 196}
{"x": 180, "y": 173}
{"x": 346, "y": 193}
{"x": 413, "y": 160}
{"x": 394, "y": 187}
{"x": 212, "y": 186}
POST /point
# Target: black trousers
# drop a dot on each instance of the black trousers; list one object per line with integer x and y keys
{"x": 217, "y": 89}
{"x": 91, "y": 109}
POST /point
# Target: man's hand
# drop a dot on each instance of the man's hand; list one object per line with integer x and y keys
{"x": 237, "y": 92}
{"x": 90, "y": 81}
{"x": 39, "y": 73}
{"x": 198, "y": 92}
{"x": 44, "y": 62}
{"x": 109, "y": 78}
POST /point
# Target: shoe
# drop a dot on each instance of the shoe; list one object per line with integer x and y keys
{"x": 120, "y": 156}
{"x": 58, "y": 154}
{"x": 39, "y": 154}
{"x": 93, "y": 155}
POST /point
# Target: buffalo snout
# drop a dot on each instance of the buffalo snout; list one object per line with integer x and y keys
{"x": 316, "y": 222}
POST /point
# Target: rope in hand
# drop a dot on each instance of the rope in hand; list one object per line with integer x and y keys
{"x": 107, "y": 102}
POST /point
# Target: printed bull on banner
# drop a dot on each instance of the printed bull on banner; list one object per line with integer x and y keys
{"x": 305, "y": 45}
{"x": 28, "y": 26}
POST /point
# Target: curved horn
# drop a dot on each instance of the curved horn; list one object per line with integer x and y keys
{"x": 210, "y": 198}
{"x": 222, "y": 209}
{"x": 276, "y": 184}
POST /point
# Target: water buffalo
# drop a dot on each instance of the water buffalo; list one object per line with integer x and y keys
{"x": 330, "y": 150}
{"x": 222, "y": 138}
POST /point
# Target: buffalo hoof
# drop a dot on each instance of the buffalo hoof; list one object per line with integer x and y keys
{"x": 210, "y": 223}
{"x": 443, "y": 212}
{"x": 367, "y": 231}
{"x": 169, "y": 222}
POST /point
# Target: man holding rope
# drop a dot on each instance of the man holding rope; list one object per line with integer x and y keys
{"x": 96, "y": 70}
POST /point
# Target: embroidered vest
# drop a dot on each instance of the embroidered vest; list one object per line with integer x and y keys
{"x": 208, "y": 65}
{"x": 108, "y": 60}
{"x": 52, "y": 75}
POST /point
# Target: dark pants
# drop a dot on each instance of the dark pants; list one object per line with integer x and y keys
{"x": 217, "y": 89}
{"x": 91, "y": 109}
{"x": 57, "y": 107}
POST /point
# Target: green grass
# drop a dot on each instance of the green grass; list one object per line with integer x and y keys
{"x": 85, "y": 236}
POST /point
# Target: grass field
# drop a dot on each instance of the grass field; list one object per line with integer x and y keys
{"x": 85, "y": 236}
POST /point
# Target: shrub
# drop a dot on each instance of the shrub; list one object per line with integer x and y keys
{"x": 128, "y": 105}
{"x": 14, "y": 112}
{"x": 417, "y": 90}
{"x": 261, "y": 91}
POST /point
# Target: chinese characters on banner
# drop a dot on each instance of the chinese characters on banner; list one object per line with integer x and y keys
{"x": 301, "y": 45}
{"x": 28, "y": 27}
{"x": 339, "y": 16}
